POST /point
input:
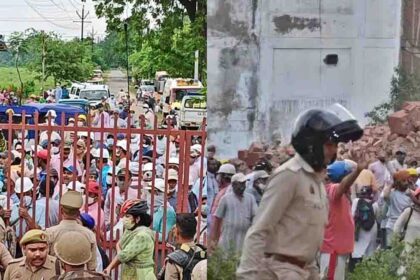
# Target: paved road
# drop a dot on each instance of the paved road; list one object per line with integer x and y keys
{"x": 117, "y": 80}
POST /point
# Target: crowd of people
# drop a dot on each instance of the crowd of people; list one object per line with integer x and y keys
{"x": 77, "y": 185}
{"x": 312, "y": 220}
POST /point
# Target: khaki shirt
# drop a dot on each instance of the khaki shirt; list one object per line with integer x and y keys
{"x": 83, "y": 274}
{"x": 71, "y": 225}
{"x": 5, "y": 257}
{"x": 290, "y": 220}
{"x": 174, "y": 271}
{"x": 18, "y": 269}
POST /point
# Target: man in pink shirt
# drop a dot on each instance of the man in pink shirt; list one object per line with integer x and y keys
{"x": 93, "y": 207}
{"x": 223, "y": 176}
{"x": 339, "y": 233}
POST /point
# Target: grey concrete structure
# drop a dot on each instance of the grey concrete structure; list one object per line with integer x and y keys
{"x": 268, "y": 60}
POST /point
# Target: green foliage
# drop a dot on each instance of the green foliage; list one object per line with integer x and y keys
{"x": 222, "y": 265}
{"x": 64, "y": 60}
{"x": 404, "y": 87}
{"x": 176, "y": 55}
{"x": 388, "y": 264}
{"x": 163, "y": 35}
{"x": 9, "y": 79}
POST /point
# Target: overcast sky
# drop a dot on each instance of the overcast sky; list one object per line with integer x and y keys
{"x": 48, "y": 15}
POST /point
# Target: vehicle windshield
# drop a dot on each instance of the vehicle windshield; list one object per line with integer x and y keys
{"x": 93, "y": 94}
{"x": 180, "y": 93}
{"x": 148, "y": 88}
{"x": 195, "y": 103}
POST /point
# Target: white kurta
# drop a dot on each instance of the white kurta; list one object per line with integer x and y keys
{"x": 366, "y": 245}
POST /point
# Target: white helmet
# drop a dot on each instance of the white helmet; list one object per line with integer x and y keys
{"x": 227, "y": 168}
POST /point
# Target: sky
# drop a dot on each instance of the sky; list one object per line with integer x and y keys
{"x": 49, "y": 15}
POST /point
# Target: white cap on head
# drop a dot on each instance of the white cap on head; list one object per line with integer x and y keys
{"x": 239, "y": 177}
{"x": 134, "y": 167}
{"x": 27, "y": 185}
{"x": 147, "y": 167}
{"x": 173, "y": 160}
{"x": 51, "y": 113}
{"x": 227, "y": 168}
{"x": 260, "y": 174}
{"x": 122, "y": 144}
{"x": 97, "y": 153}
{"x": 79, "y": 187}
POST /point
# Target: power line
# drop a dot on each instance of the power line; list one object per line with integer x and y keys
{"x": 46, "y": 19}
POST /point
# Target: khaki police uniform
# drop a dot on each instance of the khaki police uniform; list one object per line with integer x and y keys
{"x": 72, "y": 200}
{"x": 288, "y": 229}
{"x": 19, "y": 269}
{"x": 174, "y": 271}
{"x": 82, "y": 275}
{"x": 5, "y": 257}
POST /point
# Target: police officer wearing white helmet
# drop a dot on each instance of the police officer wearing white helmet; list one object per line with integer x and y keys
{"x": 288, "y": 230}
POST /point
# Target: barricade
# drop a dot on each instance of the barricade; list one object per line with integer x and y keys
{"x": 145, "y": 189}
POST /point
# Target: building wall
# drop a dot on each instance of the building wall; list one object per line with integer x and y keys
{"x": 266, "y": 63}
{"x": 410, "y": 37}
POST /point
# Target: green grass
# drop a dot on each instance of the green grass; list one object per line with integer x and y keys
{"x": 9, "y": 76}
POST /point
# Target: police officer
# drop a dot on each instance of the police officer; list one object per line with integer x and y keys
{"x": 70, "y": 204}
{"x": 36, "y": 264}
{"x": 181, "y": 263}
{"x": 288, "y": 229}
{"x": 73, "y": 257}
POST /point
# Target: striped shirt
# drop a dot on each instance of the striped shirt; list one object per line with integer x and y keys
{"x": 237, "y": 215}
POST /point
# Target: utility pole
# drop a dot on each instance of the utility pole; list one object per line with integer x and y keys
{"x": 93, "y": 35}
{"x": 126, "y": 52}
{"x": 43, "y": 60}
{"x": 196, "y": 66}
{"x": 82, "y": 18}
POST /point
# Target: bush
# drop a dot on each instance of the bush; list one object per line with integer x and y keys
{"x": 387, "y": 264}
{"x": 222, "y": 265}
{"x": 404, "y": 87}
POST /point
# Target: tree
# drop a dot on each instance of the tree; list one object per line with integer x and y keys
{"x": 163, "y": 34}
{"x": 404, "y": 87}
{"x": 64, "y": 60}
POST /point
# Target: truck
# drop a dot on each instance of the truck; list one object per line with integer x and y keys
{"x": 160, "y": 79}
{"x": 176, "y": 89}
{"x": 192, "y": 112}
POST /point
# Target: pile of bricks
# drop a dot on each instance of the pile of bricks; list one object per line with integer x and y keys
{"x": 276, "y": 154}
{"x": 403, "y": 131}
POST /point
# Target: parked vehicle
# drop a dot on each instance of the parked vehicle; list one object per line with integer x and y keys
{"x": 81, "y": 103}
{"x": 92, "y": 93}
{"x": 192, "y": 112}
{"x": 160, "y": 80}
{"x": 176, "y": 89}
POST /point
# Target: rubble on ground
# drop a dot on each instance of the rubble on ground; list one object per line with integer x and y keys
{"x": 402, "y": 131}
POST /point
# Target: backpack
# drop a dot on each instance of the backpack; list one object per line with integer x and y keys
{"x": 187, "y": 258}
{"x": 364, "y": 217}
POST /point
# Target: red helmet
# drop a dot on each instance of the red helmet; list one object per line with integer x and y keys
{"x": 127, "y": 205}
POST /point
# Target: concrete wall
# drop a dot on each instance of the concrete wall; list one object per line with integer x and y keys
{"x": 410, "y": 37}
{"x": 266, "y": 63}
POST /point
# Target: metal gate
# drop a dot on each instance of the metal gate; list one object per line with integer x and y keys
{"x": 27, "y": 129}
